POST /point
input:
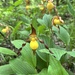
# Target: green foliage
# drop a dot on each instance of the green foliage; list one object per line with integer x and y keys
{"x": 46, "y": 20}
{"x": 62, "y": 34}
{"x": 17, "y": 43}
{"x": 55, "y": 54}
{"x": 16, "y": 29}
{"x": 7, "y": 51}
{"x": 28, "y": 56}
{"x": 55, "y": 67}
{"x": 21, "y": 67}
{"x": 6, "y": 70}
{"x": 71, "y": 9}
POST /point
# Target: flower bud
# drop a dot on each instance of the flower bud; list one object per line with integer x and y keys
{"x": 27, "y": 7}
{"x": 50, "y": 6}
{"x": 6, "y": 30}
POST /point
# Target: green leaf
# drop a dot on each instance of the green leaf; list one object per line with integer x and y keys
{"x": 7, "y": 51}
{"x": 43, "y": 56}
{"x": 40, "y": 21}
{"x": 21, "y": 67}
{"x": 18, "y": 43}
{"x": 28, "y": 56}
{"x": 70, "y": 8}
{"x": 46, "y": 20}
{"x": 47, "y": 41}
{"x": 18, "y": 2}
{"x": 34, "y": 23}
{"x": 71, "y": 53}
{"x": 41, "y": 29}
{"x": 41, "y": 64}
{"x": 43, "y": 72}
{"x": 6, "y": 70}
{"x": 25, "y": 19}
{"x": 55, "y": 68}
{"x": 44, "y": 51}
{"x": 15, "y": 30}
{"x": 58, "y": 53}
{"x": 63, "y": 35}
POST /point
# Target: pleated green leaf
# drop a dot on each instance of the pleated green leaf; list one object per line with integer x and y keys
{"x": 58, "y": 53}
{"x": 15, "y": 30}
{"x": 70, "y": 8}
{"x": 43, "y": 56}
{"x": 48, "y": 42}
{"x": 45, "y": 51}
{"x": 63, "y": 34}
{"x": 18, "y": 43}
{"x": 21, "y": 67}
{"x": 46, "y": 20}
{"x": 18, "y": 2}
{"x": 43, "y": 72}
{"x": 71, "y": 53}
{"x": 28, "y": 56}
{"x": 41, "y": 64}
{"x": 7, "y": 51}
{"x": 6, "y": 70}
{"x": 55, "y": 68}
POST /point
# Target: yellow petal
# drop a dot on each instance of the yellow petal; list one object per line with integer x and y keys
{"x": 57, "y": 21}
{"x": 27, "y": 7}
{"x": 50, "y": 6}
{"x": 4, "y": 30}
{"x": 34, "y": 45}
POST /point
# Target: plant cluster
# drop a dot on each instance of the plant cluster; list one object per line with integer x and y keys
{"x": 34, "y": 38}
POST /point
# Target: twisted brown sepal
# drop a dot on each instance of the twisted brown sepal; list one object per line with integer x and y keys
{"x": 33, "y": 33}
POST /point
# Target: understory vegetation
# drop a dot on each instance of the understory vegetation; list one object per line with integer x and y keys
{"x": 37, "y": 37}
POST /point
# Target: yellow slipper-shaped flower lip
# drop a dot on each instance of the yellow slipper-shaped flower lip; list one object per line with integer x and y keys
{"x": 33, "y": 44}
{"x": 57, "y": 21}
{"x": 4, "y": 30}
{"x": 50, "y": 6}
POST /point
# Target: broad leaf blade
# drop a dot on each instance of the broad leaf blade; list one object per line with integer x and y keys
{"x": 18, "y": 43}
{"x": 55, "y": 68}
{"x": 70, "y": 8}
{"x": 71, "y": 53}
{"x": 46, "y": 20}
{"x": 58, "y": 53}
{"x": 40, "y": 21}
{"x": 7, "y": 51}
{"x": 63, "y": 35}
{"x": 15, "y": 30}
{"x": 27, "y": 55}
{"x": 6, "y": 70}
{"x": 43, "y": 56}
{"x": 21, "y": 67}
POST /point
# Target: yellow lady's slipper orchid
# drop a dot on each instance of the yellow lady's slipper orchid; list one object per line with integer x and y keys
{"x": 27, "y": 7}
{"x": 57, "y": 20}
{"x": 33, "y": 44}
{"x": 50, "y": 6}
{"x": 41, "y": 7}
{"x": 6, "y": 30}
